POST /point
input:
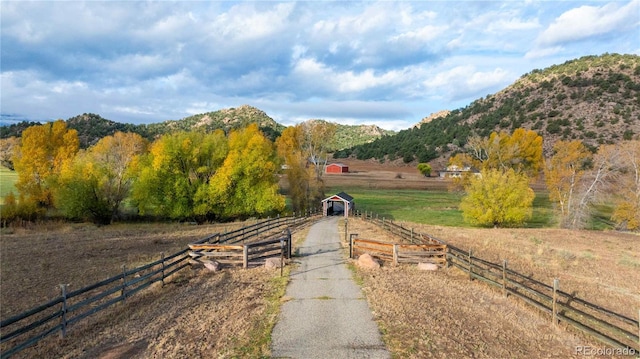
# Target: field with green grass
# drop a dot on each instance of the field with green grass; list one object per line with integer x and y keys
{"x": 8, "y": 179}
{"x": 432, "y": 207}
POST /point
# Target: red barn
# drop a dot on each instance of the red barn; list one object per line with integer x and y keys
{"x": 337, "y": 168}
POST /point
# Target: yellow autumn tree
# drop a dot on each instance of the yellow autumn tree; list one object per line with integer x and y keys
{"x": 626, "y": 214}
{"x": 498, "y": 198}
{"x": 7, "y": 146}
{"x": 563, "y": 174}
{"x": 246, "y": 185}
{"x": 42, "y": 153}
{"x": 100, "y": 178}
{"x": 521, "y": 150}
{"x": 298, "y": 174}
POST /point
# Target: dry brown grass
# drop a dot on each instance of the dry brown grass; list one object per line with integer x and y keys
{"x": 443, "y": 314}
{"x": 198, "y": 314}
{"x": 34, "y": 261}
{"x": 371, "y": 174}
{"x": 601, "y": 267}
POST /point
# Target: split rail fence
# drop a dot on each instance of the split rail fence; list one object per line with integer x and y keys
{"x": 400, "y": 253}
{"x": 56, "y": 316}
{"x": 614, "y": 329}
{"x": 244, "y": 255}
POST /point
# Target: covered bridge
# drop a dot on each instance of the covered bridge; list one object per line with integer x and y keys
{"x": 336, "y": 204}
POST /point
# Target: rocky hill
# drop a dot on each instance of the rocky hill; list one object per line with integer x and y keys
{"x": 594, "y": 99}
{"x": 225, "y": 119}
{"x": 350, "y": 135}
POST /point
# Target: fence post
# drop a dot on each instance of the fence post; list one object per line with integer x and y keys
{"x": 124, "y": 282}
{"x": 411, "y": 235}
{"x": 63, "y": 317}
{"x": 282, "y": 248}
{"x": 504, "y": 277}
{"x": 289, "y": 246}
{"x": 470, "y": 264}
{"x": 556, "y": 284}
{"x": 351, "y": 237}
{"x": 245, "y": 256}
{"x": 163, "y": 267}
{"x": 346, "y": 228}
{"x": 395, "y": 254}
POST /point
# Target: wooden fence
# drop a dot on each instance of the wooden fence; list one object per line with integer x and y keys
{"x": 56, "y": 316}
{"x": 400, "y": 253}
{"x": 607, "y": 326}
{"x": 244, "y": 255}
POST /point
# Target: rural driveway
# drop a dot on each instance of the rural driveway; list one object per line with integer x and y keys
{"x": 327, "y": 316}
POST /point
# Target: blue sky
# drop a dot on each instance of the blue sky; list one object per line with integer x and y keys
{"x": 386, "y": 63}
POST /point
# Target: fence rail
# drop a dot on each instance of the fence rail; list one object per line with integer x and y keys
{"x": 25, "y": 329}
{"x": 609, "y": 327}
{"x": 400, "y": 253}
{"x": 244, "y": 255}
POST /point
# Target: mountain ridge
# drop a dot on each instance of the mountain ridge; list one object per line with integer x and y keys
{"x": 92, "y": 127}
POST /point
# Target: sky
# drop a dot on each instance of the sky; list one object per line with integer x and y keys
{"x": 384, "y": 63}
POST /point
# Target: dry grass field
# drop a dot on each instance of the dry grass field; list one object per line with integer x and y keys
{"x": 371, "y": 174}
{"x": 443, "y": 314}
{"x": 35, "y": 260}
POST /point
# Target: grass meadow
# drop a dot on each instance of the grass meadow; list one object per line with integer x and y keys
{"x": 440, "y": 207}
{"x": 8, "y": 179}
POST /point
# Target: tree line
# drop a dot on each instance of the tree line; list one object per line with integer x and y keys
{"x": 193, "y": 175}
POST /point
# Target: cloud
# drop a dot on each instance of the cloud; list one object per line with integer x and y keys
{"x": 463, "y": 81}
{"x": 585, "y": 23}
{"x": 391, "y": 62}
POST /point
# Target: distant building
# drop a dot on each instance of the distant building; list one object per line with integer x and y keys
{"x": 454, "y": 171}
{"x": 338, "y": 204}
{"x": 336, "y": 168}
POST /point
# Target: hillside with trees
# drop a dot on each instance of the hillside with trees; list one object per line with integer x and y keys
{"x": 92, "y": 127}
{"x": 593, "y": 99}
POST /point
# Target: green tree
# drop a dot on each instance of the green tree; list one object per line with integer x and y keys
{"x": 79, "y": 194}
{"x": 246, "y": 184}
{"x": 424, "y": 169}
{"x": 179, "y": 166}
{"x": 100, "y": 178}
{"x": 498, "y": 198}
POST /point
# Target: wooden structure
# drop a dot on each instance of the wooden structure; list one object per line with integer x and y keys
{"x": 338, "y": 203}
{"x": 336, "y": 168}
{"x": 400, "y": 253}
{"x": 241, "y": 255}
